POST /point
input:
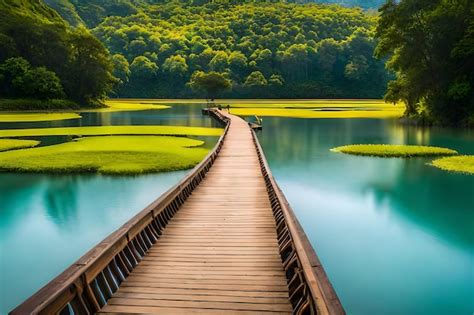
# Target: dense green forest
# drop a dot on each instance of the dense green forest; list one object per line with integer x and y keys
{"x": 312, "y": 50}
{"x": 41, "y": 56}
{"x": 84, "y": 50}
{"x": 366, "y": 4}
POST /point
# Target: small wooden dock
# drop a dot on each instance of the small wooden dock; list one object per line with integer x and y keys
{"x": 223, "y": 241}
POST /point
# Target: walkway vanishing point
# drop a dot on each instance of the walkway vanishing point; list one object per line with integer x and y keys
{"x": 222, "y": 241}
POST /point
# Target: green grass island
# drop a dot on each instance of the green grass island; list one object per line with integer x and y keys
{"x": 12, "y": 144}
{"x": 112, "y": 155}
{"x": 393, "y": 150}
{"x": 460, "y": 164}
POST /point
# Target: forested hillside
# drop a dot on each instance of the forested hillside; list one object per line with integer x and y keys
{"x": 41, "y": 56}
{"x": 310, "y": 50}
{"x": 366, "y": 4}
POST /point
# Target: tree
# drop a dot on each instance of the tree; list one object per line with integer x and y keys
{"x": 238, "y": 64}
{"x": 121, "y": 68}
{"x": 13, "y": 71}
{"x": 421, "y": 40}
{"x": 143, "y": 68}
{"x": 212, "y": 83}
{"x": 276, "y": 80}
{"x": 21, "y": 80}
{"x": 356, "y": 68}
{"x": 41, "y": 83}
{"x": 176, "y": 66}
{"x": 91, "y": 68}
{"x": 255, "y": 79}
{"x": 219, "y": 62}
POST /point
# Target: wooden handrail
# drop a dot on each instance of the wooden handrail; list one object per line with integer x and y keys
{"x": 310, "y": 289}
{"x": 85, "y": 286}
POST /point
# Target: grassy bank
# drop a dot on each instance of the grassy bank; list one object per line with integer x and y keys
{"x": 387, "y": 150}
{"x": 118, "y": 106}
{"x": 40, "y": 105}
{"x": 460, "y": 164}
{"x": 318, "y": 109}
{"x": 11, "y": 144}
{"x": 112, "y": 130}
{"x": 32, "y": 117}
{"x": 117, "y": 155}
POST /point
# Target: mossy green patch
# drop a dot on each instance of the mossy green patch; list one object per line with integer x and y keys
{"x": 461, "y": 164}
{"x": 389, "y": 150}
{"x": 112, "y": 130}
{"x": 308, "y": 113}
{"x": 315, "y": 108}
{"x": 11, "y": 144}
{"x": 118, "y": 155}
{"x": 32, "y": 117}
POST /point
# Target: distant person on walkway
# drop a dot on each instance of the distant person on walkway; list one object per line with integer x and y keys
{"x": 228, "y": 108}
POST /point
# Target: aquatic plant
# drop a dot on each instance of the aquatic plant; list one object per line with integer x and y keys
{"x": 390, "y": 150}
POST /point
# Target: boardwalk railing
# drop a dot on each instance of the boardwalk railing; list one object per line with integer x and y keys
{"x": 87, "y": 285}
{"x": 309, "y": 287}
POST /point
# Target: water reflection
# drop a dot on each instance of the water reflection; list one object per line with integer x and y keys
{"x": 60, "y": 198}
{"x": 395, "y": 230}
{"x": 52, "y": 220}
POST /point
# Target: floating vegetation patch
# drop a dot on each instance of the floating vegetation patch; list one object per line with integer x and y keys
{"x": 112, "y": 130}
{"x": 461, "y": 164}
{"x": 12, "y": 144}
{"x": 115, "y": 155}
{"x": 389, "y": 150}
{"x": 32, "y": 117}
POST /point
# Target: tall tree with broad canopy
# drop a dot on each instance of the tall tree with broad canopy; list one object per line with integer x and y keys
{"x": 429, "y": 44}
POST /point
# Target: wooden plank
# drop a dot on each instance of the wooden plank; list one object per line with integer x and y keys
{"x": 219, "y": 253}
{"x": 202, "y": 305}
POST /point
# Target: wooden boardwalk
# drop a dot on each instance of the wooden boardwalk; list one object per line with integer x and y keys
{"x": 223, "y": 240}
{"x": 219, "y": 254}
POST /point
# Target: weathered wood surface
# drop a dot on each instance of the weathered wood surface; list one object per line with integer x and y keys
{"x": 219, "y": 254}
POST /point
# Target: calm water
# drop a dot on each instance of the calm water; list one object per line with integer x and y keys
{"x": 47, "y": 222}
{"x": 395, "y": 236}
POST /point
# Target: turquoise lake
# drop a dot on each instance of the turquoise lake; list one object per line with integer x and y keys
{"x": 395, "y": 236}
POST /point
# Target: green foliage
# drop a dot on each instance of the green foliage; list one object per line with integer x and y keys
{"x": 310, "y": 50}
{"x": 20, "y": 80}
{"x": 37, "y": 104}
{"x": 212, "y": 83}
{"x": 390, "y": 150}
{"x": 430, "y": 46}
{"x": 63, "y": 59}
{"x": 256, "y": 79}
{"x": 460, "y": 164}
{"x": 118, "y": 155}
{"x": 366, "y": 4}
